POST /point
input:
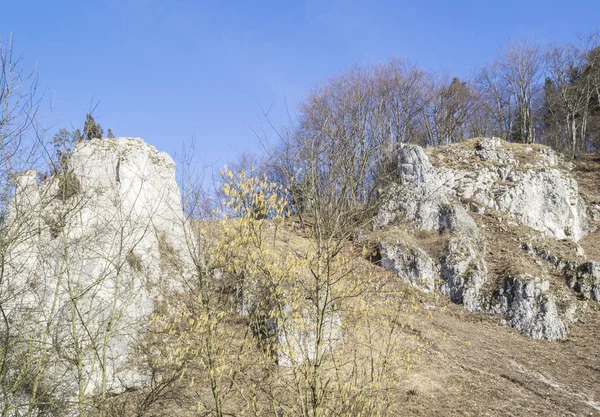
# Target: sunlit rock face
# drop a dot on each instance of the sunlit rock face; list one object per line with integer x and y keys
{"x": 528, "y": 188}
{"x": 530, "y": 308}
{"x": 537, "y": 190}
{"x": 97, "y": 246}
{"x": 586, "y": 280}
{"x": 410, "y": 263}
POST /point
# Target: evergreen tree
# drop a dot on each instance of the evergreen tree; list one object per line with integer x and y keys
{"x": 91, "y": 129}
{"x": 78, "y": 136}
{"x": 62, "y": 143}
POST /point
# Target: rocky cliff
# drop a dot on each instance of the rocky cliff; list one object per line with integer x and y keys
{"x": 506, "y": 220}
{"x": 89, "y": 259}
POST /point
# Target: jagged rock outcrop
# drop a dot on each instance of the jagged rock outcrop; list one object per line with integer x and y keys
{"x": 98, "y": 244}
{"x": 586, "y": 280}
{"x": 530, "y": 308}
{"x": 463, "y": 268}
{"x": 538, "y": 193}
{"x": 459, "y": 273}
{"x": 410, "y": 263}
{"x": 418, "y": 193}
{"x": 287, "y": 323}
{"x": 531, "y": 186}
{"x": 464, "y": 272}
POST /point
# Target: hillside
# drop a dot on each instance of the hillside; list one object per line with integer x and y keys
{"x": 473, "y": 364}
{"x": 473, "y": 291}
{"x": 344, "y": 233}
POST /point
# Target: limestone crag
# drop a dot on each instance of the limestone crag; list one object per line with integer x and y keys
{"x": 463, "y": 268}
{"x": 92, "y": 263}
{"x": 528, "y": 307}
{"x": 410, "y": 263}
{"x": 539, "y": 193}
{"x": 586, "y": 280}
{"x": 531, "y": 187}
{"x": 459, "y": 273}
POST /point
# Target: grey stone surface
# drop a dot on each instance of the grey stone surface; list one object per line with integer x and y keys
{"x": 586, "y": 280}
{"x": 410, "y": 263}
{"x": 418, "y": 193}
{"x": 530, "y": 308}
{"x": 89, "y": 265}
{"x": 537, "y": 192}
{"x": 541, "y": 195}
{"x": 464, "y": 271}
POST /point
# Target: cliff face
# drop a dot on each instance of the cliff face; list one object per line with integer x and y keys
{"x": 508, "y": 218}
{"x": 530, "y": 184}
{"x": 89, "y": 260}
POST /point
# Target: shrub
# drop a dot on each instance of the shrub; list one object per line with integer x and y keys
{"x": 68, "y": 186}
{"x": 134, "y": 261}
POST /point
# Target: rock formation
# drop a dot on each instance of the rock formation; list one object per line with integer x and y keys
{"x": 530, "y": 308}
{"x": 533, "y": 189}
{"x": 411, "y": 263}
{"x": 92, "y": 249}
{"x": 586, "y": 280}
{"x": 486, "y": 190}
{"x": 98, "y": 244}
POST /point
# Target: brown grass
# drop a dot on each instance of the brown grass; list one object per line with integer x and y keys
{"x": 587, "y": 174}
{"x": 474, "y": 366}
{"x": 463, "y": 155}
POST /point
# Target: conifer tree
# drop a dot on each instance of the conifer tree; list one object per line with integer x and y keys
{"x": 91, "y": 128}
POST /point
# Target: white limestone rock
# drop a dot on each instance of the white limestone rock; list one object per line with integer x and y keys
{"x": 455, "y": 219}
{"x": 464, "y": 272}
{"x": 530, "y": 308}
{"x": 463, "y": 268}
{"x": 586, "y": 280}
{"x": 297, "y": 335}
{"x": 490, "y": 149}
{"x": 540, "y": 194}
{"x": 532, "y": 186}
{"x": 459, "y": 274}
{"x": 410, "y": 263}
{"x": 418, "y": 193}
{"x": 292, "y": 336}
{"x": 92, "y": 262}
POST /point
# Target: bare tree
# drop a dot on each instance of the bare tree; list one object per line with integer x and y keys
{"x": 495, "y": 99}
{"x": 22, "y": 365}
{"x": 400, "y": 88}
{"x": 447, "y": 110}
{"x": 521, "y": 66}
{"x": 508, "y": 90}
{"x": 332, "y": 165}
{"x": 571, "y": 92}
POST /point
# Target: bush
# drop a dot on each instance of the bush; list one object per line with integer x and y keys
{"x": 134, "y": 261}
{"x": 68, "y": 186}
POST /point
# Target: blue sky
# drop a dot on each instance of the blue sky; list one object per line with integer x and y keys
{"x": 167, "y": 70}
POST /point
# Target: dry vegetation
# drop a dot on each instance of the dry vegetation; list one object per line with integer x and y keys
{"x": 464, "y": 154}
{"x": 271, "y": 323}
{"x": 475, "y": 366}
{"x": 587, "y": 175}
{"x": 469, "y": 364}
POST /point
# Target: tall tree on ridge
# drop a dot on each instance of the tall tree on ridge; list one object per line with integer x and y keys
{"x": 92, "y": 129}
